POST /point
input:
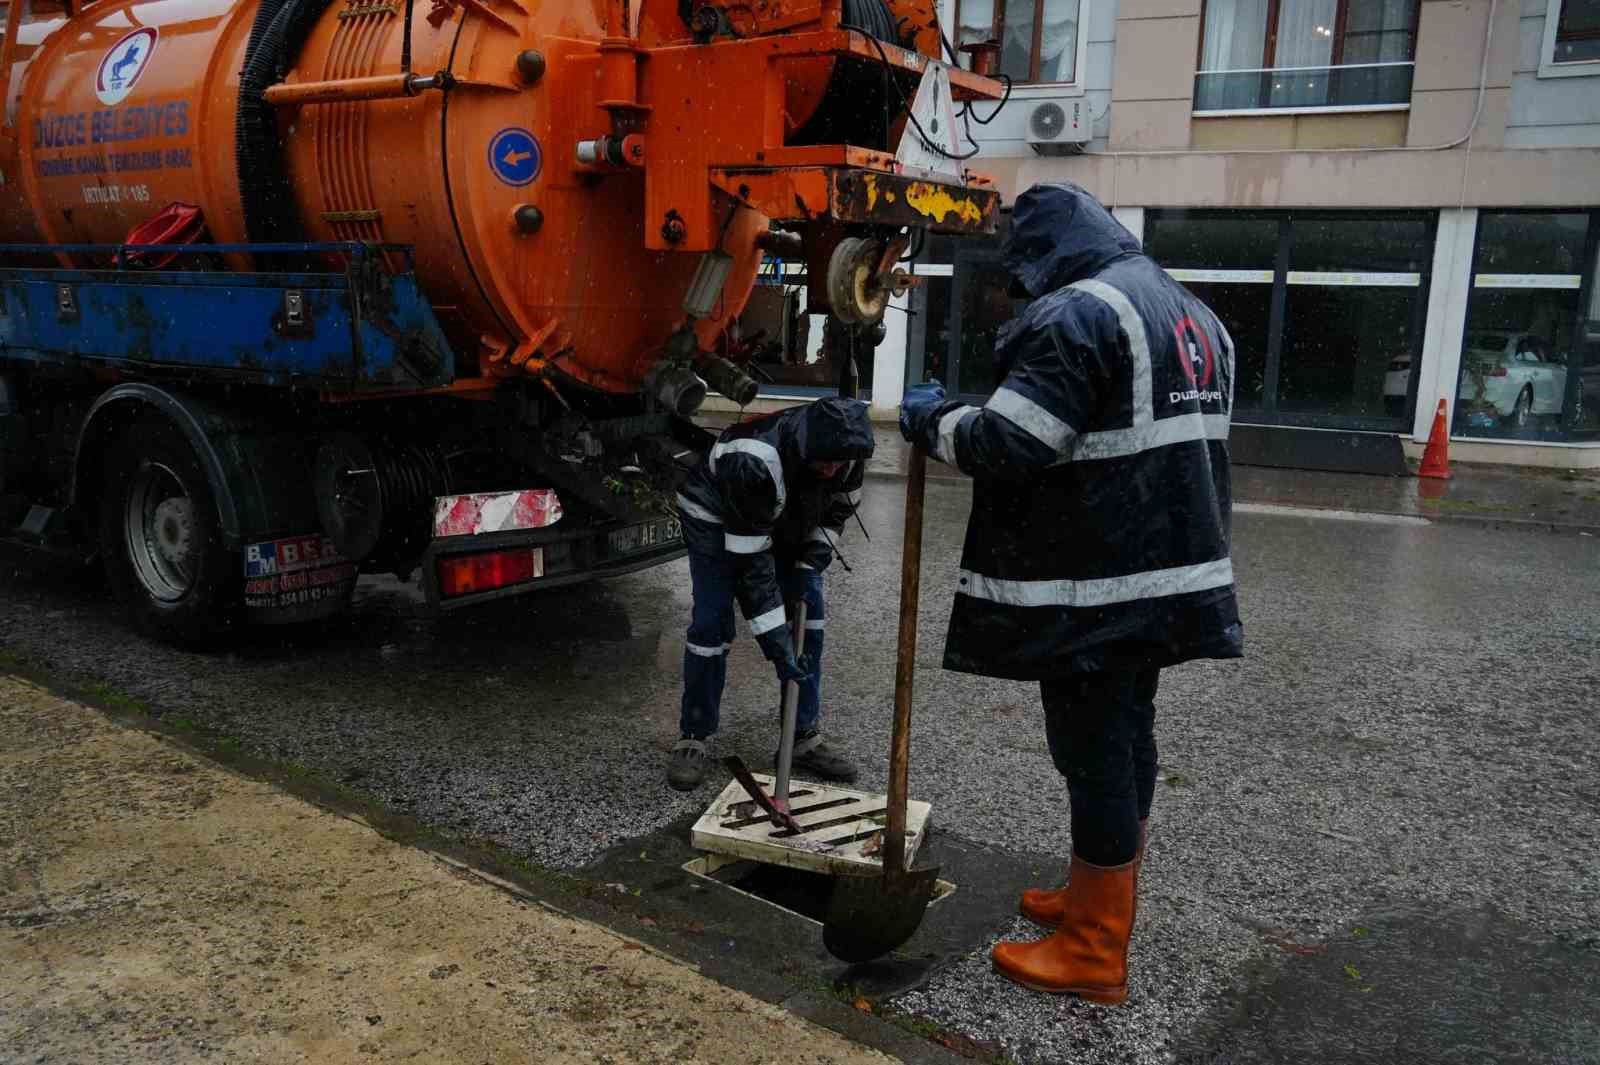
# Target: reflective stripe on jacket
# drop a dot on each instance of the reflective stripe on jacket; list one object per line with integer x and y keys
{"x": 756, "y": 485}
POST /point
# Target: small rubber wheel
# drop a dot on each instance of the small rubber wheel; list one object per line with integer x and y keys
{"x": 161, "y": 538}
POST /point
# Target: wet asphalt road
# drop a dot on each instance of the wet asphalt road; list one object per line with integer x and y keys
{"x": 1377, "y": 837}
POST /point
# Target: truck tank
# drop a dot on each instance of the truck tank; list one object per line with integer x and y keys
{"x": 590, "y": 186}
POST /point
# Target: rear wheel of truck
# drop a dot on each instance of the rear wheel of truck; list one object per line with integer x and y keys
{"x": 162, "y": 539}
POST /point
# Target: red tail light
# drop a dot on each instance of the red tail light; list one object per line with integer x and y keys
{"x": 466, "y": 574}
{"x": 1498, "y": 371}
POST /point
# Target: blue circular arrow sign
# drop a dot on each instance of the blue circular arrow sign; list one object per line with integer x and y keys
{"x": 514, "y": 156}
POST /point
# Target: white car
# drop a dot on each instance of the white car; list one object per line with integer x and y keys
{"x": 1395, "y": 383}
{"x": 1514, "y": 373}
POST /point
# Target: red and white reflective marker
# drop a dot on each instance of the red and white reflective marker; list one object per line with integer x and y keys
{"x": 492, "y": 512}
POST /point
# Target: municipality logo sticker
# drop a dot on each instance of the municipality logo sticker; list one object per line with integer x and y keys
{"x": 123, "y": 64}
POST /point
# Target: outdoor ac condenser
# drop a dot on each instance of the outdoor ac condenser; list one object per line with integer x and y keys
{"x": 1058, "y": 128}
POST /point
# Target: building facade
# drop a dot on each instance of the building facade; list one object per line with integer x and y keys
{"x": 1388, "y": 202}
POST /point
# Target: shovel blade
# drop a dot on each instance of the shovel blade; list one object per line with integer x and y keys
{"x": 869, "y": 916}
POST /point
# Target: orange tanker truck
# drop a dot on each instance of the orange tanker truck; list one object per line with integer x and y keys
{"x": 292, "y": 290}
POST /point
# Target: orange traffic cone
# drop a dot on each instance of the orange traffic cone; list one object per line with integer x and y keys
{"x": 1436, "y": 457}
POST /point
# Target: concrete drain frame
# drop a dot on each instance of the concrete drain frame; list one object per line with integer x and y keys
{"x": 840, "y": 830}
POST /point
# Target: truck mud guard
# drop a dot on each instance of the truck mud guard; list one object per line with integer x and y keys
{"x": 259, "y": 470}
{"x": 189, "y": 414}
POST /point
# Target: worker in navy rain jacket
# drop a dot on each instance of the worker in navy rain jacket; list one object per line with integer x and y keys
{"x": 761, "y": 515}
{"x": 1097, "y": 549}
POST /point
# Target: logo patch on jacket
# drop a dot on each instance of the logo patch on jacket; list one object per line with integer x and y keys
{"x": 1198, "y": 361}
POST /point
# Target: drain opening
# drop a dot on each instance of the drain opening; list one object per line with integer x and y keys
{"x": 803, "y": 892}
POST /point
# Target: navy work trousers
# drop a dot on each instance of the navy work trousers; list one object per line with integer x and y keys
{"x": 711, "y": 634}
{"x": 1101, "y": 728}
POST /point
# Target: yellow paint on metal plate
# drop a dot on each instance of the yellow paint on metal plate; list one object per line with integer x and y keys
{"x": 935, "y": 202}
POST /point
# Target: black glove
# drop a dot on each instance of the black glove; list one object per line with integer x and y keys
{"x": 779, "y": 649}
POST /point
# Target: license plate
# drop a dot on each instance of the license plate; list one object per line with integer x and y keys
{"x": 644, "y": 537}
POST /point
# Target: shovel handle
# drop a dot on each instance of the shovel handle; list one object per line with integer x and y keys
{"x": 894, "y": 833}
{"x": 789, "y": 700}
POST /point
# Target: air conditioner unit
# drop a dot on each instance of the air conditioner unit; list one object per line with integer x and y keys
{"x": 1058, "y": 128}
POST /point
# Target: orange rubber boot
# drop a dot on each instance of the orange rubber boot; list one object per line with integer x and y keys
{"x": 1044, "y": 906}
{"x": 1087, "y": 955}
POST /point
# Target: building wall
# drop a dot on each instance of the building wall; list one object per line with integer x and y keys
{"x": 1150, "y": 150}
{"x": 1521, "y": 141}
{"x": 1379, "y": 129}
{"x": 1451, "y": 35}
{"x": 1548, "y": 112}
{"x": 1152, "y": 85}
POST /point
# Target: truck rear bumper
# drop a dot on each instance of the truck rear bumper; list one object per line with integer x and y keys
{"x": 561, "y": 557}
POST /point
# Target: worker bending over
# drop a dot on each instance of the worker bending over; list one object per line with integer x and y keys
{"x": 1097, "y": 548}
{"x": 761, "y": 515}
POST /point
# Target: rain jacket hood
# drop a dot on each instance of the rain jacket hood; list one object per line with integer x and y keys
{"x": 1061, "y": 234}
{"x": 834, "y": 430}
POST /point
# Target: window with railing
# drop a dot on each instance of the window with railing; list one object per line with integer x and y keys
{"x": 1307, "y": 54}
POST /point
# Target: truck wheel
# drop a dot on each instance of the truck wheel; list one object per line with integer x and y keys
{"x": 161, "y": 538}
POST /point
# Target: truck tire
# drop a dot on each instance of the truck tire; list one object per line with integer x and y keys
{"x": 162, "y": 540}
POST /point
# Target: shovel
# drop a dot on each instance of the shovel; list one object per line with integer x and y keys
{"x": 869, "y": 916}
{"x": 790, "y": 701}
{"x": 776, "y": 806}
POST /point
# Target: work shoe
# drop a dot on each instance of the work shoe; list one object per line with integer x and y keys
{"x": 1087, "y": 954}
{"x": 687, "y": 766}
{"x": 815, "y": 758}
{"x": 1044, "y": 906}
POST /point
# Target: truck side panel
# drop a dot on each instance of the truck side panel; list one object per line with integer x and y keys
{"x": 354, "y": 331}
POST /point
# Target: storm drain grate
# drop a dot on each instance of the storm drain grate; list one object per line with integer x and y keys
{"x": 840, "y": 829}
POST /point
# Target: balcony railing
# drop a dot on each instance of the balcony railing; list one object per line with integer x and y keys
{"x": 1360, "y": 86}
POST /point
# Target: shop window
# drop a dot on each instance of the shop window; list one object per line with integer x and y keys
{"x": 1325, "y": 310}
{"x": 1244, "y": 310}
{"x": 1530, "y": 354}
{"x": 1039, "y": 39}
{"x": 935, "y": 346}
{"x": 1227, "y": 261}
{"x": 1212, "y": 241}
{"x": 986, "y": 305}
{"x": 1270, "y": 54}
{"x": 961, "y": 315}
{"x": 958, "y": 311}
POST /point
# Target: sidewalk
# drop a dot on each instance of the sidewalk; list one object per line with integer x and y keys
{"x": 158, "y": 907}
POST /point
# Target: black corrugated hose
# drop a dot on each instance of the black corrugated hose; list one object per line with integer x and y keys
{"x": 278, "y": 33}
